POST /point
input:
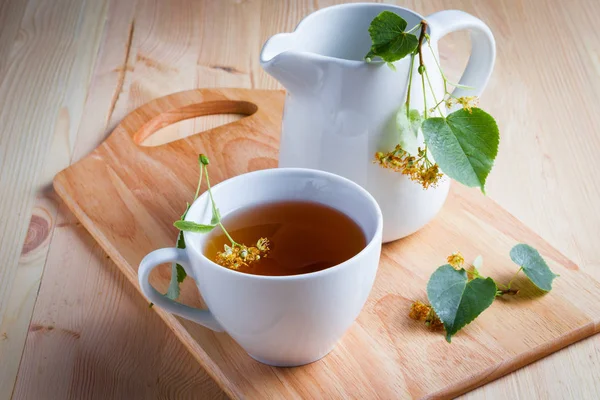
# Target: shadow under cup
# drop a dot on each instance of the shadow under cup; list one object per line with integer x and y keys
{"x": 282, "y": 320}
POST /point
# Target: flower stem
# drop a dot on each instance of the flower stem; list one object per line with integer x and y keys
{"x": 424, "y": 97}
{"x": 233, "y": 242}
{"x": 439, "y": 68}
{"x": 214, "y": 208}
{"x": 507, "y": 288}
{"x": 421, "y": 38}
{"x": 199, "y": 182}
{"x": 513, "y": 278}
{"x": 422, "y": 69}
{"x": 507, "y": 291}
{"x": 410, "y": 76}
{"x": 431, "y": 88}
{"x": 437, "y": 104}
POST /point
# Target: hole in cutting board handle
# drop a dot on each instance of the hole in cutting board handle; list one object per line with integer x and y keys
{"x": 190, "y": 120}
{"x": 188, "y": 127}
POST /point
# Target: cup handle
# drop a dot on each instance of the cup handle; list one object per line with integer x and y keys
{"x": 167, "y": 255}
{"x": 483, "y": 47}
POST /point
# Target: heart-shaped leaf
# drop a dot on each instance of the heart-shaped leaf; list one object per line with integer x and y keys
{"x": 457, "y": 301}
{"x": 464, "y": 144}
{"x": 533, "y": 266}
{"x": 389, "y": 40}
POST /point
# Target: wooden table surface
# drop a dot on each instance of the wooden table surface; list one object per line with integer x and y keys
{"x": 71, "y": 326}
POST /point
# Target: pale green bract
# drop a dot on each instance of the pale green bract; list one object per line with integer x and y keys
{"x": 464, "y": 144}
{"x": 533, "y": 266}
{"x": 408, "y": 130}
{"x": 190, "y": 226}
{"x": 478, "y": 263}
{"x": 457, "y": 301}
{"x": 415, "y": 119}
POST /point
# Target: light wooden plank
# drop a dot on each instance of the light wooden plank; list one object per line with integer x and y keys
{"x": 72, "y": 348}
{"x": 11, "y": 13}
{"x": 94, "y": 338}
{"x": 44, "y": 85}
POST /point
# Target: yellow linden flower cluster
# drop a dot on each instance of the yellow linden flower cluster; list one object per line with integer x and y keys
{"x": 467, "y": 102}
{"x": 418, "y": 169}
{"x": 240, "y": 255}
{"x": 423, "y": 312}
{"x": 456, "y": 260}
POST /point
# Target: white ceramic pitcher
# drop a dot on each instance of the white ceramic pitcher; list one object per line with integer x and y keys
{"x": 340, "y": 110}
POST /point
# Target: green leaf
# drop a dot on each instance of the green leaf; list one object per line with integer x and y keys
{"x": 464, "y": 144}
{"x": 216, "y": 216}
{"x": 189, "y": 226}
{"x": 180, "y": 241}
{"x": 444, "y": 291}
{"x": 178, "y": 274}
{"x": 533, "y": 266}
{"x": 457, "y": 301}
{"x": 389, "y": 40}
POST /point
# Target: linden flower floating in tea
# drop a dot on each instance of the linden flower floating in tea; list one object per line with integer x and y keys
{"x": 239, "y": 255}
{"x": 236, "y": 255}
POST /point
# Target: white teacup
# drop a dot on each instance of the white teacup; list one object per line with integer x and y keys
{"x": 278, "y": 320}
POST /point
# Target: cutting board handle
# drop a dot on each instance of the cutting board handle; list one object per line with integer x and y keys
{"x": 167, "y": 110}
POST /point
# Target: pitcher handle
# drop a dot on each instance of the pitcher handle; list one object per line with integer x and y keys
{"x": 160, "y": 256}
{"x": 483, "y": 47}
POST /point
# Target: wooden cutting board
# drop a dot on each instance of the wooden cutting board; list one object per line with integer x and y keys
{"x": 128, "y": 195}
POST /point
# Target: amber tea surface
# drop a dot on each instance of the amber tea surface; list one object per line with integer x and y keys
{"x": 304, "y": 237}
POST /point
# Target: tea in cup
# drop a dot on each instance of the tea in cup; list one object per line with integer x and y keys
{"x": 292, "y": 307}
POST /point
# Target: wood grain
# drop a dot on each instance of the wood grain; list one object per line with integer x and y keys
{"x": 64, "y": 336}
{"x": 138, "y": 191}
{"x": 541, "y": 92}
{"x": 57, "y": 43}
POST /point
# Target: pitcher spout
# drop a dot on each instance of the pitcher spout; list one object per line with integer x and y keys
{"x": 296, "y": 70}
